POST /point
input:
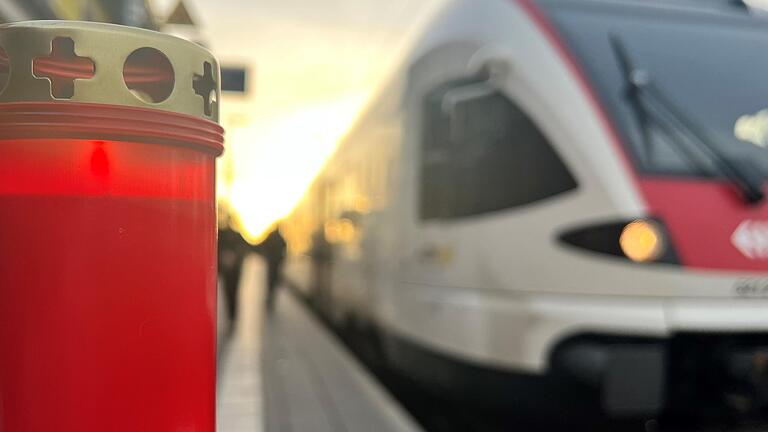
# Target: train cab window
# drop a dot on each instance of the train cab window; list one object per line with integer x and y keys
{"x": 481, "y": 154}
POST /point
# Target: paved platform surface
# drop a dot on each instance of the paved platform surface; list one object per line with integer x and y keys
{"x": 284, "y": 372}
{"x": 239, "y": 401}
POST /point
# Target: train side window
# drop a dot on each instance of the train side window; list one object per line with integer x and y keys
{"x": 482, "y": 153}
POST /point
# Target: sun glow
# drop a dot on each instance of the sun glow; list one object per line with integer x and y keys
{"x": 310, "y": 68}
{"x": 281, "y": 160}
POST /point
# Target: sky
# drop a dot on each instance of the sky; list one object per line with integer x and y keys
{"x": 312, "y": 66}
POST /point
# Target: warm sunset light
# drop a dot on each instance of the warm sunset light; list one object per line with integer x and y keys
{"x": 283, "y": 161}
{"x": 309, "y": 75}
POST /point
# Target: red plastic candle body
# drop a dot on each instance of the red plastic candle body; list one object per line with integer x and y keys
{"x": 107, "y": 269}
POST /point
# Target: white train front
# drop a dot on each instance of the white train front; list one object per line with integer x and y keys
{"x": 564, "y": 196}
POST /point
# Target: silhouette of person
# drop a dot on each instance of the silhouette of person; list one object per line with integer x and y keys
{"x": 232, "y": 251}
{"x": 273, "y": 250}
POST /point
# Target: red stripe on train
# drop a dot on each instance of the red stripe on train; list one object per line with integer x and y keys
{"x": 710, "y": 225}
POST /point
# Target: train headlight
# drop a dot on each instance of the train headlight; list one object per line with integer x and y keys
{"x": 642, "y": 241}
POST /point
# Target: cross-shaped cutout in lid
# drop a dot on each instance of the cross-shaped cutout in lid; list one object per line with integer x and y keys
{"x": 205, "y": 87}
{"x": 62, "y": 67}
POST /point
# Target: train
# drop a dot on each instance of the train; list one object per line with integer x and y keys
{"x": 558, "y": 202}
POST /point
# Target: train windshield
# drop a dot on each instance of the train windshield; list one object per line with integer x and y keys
{"x": 711, "y": 66}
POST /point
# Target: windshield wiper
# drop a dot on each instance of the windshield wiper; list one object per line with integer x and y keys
{"x": 652, "y": 103}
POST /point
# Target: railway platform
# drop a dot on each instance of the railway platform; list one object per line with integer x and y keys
{"x": 285, "y": 372}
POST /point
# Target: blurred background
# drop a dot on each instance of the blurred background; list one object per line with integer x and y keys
{"x": 296, "y": 103}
